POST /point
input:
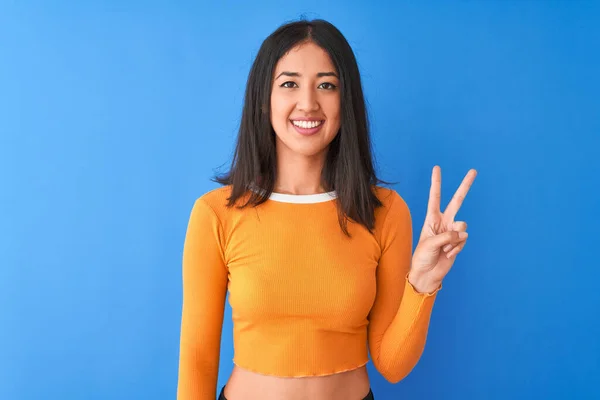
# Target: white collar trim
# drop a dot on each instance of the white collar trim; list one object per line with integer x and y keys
{"x": 301, "y": 198}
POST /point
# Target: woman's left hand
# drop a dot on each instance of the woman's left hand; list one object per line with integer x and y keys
{"x": 442, "y": 238}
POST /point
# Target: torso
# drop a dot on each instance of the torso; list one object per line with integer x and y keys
{"x": 251, "y": 270}
{"x": 247, "y": 385}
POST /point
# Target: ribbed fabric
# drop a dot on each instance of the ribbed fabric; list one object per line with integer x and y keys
{"x": 306, "y": 300}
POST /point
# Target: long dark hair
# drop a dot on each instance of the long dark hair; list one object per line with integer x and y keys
{"x": 349, "y": 166}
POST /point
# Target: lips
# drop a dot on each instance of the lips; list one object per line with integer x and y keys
{"x": 307, "y": 126}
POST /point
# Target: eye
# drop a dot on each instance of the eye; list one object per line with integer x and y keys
{"x": 328, "y": 86}
{"x": 287, "y": 84}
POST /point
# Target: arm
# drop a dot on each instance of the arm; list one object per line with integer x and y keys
{"x": 399, "y": 318}
{"x": 204, "y": 291}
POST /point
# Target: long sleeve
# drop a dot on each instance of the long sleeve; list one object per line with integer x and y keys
{"x": 205, "y": 278}
{"x": 399, "y": 318}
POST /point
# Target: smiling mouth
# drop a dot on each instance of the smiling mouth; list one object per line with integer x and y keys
{"x": 307, "y": 124}
{"x": 307, "y": 128}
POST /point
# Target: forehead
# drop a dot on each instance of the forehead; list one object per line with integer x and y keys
{"x": 307, "y": 57}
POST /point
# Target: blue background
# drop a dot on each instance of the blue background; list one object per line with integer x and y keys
{"x": 115, "y": 114}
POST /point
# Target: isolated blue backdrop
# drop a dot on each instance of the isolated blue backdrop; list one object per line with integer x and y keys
{"x": 115, "y": 114}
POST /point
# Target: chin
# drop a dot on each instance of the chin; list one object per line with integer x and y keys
{"x": 290, "y": 146}
{"x": 310, "y": 152}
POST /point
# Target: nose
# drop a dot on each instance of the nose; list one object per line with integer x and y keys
{"x": 308, "y": 102}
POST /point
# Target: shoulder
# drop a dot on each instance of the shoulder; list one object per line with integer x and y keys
{"x": 394, "y": 214}
{"x": 390, "y": 199}
{"x": 216, "y": 197}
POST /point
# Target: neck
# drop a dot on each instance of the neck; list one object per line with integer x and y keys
{"x": 298, "y": 174}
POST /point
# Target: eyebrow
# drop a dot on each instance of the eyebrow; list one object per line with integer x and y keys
{"x": 320, "y": 74}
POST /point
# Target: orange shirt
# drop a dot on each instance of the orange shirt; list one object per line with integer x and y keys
{"x": 306, "y": 300}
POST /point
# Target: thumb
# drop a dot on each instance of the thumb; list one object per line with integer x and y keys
{"x": 450, "y": 237}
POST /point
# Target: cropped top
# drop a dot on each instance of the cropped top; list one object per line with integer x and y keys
{"x": 306, "y": 299}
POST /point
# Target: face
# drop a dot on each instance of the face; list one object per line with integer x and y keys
{"x": 305, "y": 101}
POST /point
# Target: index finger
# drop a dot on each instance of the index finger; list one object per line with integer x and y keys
{"x": 460, "y": 195}
{"x": 435, "y": 192}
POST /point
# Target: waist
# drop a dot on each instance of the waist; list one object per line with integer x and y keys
{"x": 344, "y": 385}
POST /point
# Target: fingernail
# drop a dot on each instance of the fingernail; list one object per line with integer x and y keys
{"x": 462, "y": 235}
{"x": 447, "y": 247}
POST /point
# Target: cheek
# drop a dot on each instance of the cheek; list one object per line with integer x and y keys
{"x": 280, "y": 108}
{"x": 332, "y": 109}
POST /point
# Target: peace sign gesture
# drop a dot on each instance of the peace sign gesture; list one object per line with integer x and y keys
{"x": 442, "y": 238}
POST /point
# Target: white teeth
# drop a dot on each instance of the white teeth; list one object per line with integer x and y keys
{"x": 307, "y": 124}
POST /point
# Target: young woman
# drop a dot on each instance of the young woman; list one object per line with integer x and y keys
{"x": 316, "y": 255}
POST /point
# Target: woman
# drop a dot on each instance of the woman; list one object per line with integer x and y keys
{"x": 317, "y": 257}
